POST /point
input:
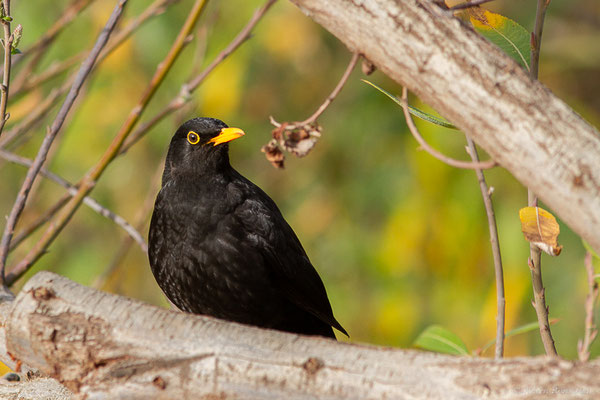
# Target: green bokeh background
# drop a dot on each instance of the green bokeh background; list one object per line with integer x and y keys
{"x": 400, "y": 239}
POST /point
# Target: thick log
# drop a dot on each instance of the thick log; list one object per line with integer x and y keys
{"x": 517, "y": 120}
{"x": 103, "y": 346}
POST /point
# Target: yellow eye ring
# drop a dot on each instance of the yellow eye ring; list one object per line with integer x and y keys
{"x": 193, "y": 137}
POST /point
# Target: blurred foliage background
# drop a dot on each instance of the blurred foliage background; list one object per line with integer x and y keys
{"x": 400, "y": 239}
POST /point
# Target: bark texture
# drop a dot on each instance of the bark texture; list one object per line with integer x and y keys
{"x": 103, "y": 346}
{"x": 517, "y": 120}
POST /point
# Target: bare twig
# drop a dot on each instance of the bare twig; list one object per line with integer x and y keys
{"x": 535, "y": 254}
{"x": 72, "y": 190}
{"x": 117, "y": 39}
{"x": 583, "y": 346}
{"x": 87, "y": 183}
{"x": 38, "y": 48}
{"x": 51, "y": 134}
{"x": 312, "y": 119}
{"x": 29, "y": 81}
{"x": 539, "y": 302}
{"x": 70, "y": 12}
{"x": 7, "y": 42}
{"x": 469, "y": 4}
{"x": 489, "y": 210}
{"x": 38, "y": 222}
{"x": 445, "y": 159}
{"x": 536, "y": 37}
{"x": 141, "y": 219}
{"x": 189, "y": 87}
{"x": 35, "y": 116}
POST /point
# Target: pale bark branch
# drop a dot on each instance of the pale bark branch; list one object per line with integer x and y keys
{"x": 101, "y": 345}
{"x": 515, "y": 119}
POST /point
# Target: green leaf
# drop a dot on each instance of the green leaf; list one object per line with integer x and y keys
{"x": 6, "y": 18}
{"x": 505, "y": 33}
{"x": 14, "y": 50}
{"x": 439, "y": 339}
{"x": 532, "y": 326}
{"x": 413, "y": 110}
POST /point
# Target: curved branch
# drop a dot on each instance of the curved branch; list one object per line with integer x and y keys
{"x": 443, "y": 158}
{"x": 33, "y": 171}
{"x": 338, "y": 88}
{"x": 91, "y": 203}
{"x": 87, "y": 183}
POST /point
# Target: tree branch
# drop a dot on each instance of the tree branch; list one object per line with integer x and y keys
{"x": 91, "y": 203}
{"x": 535, "y": 254}
{"x": 495, "y": 242}
{"x": 481, "y": 90}
{"x": 51, "y": 134}
{"x": 583, "y": 346}
{"x": 425, "y": 146}
{"x": 7, "y": 42}
{"x": 336, "y": 90}
{"x": 118, "y": 38}
{"x": 87, "y": 183}
{"x": 191, "y": 85}
{"x": 105, "y": 346}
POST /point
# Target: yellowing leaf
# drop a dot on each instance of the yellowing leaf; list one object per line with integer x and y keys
{"x": 541, "y": 229}
{"x": 505, "y": 33}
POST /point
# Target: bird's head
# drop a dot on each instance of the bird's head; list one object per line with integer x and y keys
{"x": 200, "y": 145}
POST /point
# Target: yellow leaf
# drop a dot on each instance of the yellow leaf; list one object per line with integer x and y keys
{"x": 541, "y": 229}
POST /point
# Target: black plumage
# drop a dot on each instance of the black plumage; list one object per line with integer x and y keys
{"x": 218, "y": 244}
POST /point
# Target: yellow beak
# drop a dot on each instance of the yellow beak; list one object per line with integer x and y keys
{"x": 227, "y": 135}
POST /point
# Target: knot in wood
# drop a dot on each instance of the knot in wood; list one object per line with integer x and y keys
{"x": 312, "y": 365}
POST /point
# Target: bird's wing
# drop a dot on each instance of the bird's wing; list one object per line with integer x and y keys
{"x": 291, "y": 268}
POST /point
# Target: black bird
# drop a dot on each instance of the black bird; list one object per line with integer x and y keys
{"x": 219, "y": 246}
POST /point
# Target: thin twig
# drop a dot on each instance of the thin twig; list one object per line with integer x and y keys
{"x": 87, "y": 183}
{"x": 469, "y": 4}
{"x": 141, "y": 219}
{"x": 536, "y": 37}
{"x": 37, "y": 223}
{"x": 38, "y": 48}
{"x": 535, "y": 254}
{"x": 583, "y": 346}
{"x": 70, "y": 12}
{"x": 8, "y": 40}
{"x": 310, "y": 120}
{"x": 489, "y": 210}
{"x": 30, "y": 81}
{"x": 539, "y": 303}
{"x": 443, "y": 158}
{"x": 72, "y": 190}
{"x": 35, "y": 116}
{"x": 51, "y": 134}
{"x": 118, "y": 38}
{"x": 189, "y": 87}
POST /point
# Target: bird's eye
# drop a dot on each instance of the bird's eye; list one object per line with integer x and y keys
{"x": 193, "y": 137}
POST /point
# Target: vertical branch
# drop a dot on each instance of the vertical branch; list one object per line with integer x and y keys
{"x": 536, "y": 37}
{"x": 8, "y": 39}
{"x": 535, "y": 254}
{"x": 191, "y": 85}
{"x": 87, "y": 183}
{"x": 33, "y": 171}
{"x": 583, "y": 346}
{"x": 489, "y": 209}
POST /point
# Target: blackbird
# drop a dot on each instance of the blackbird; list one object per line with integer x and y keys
{"x": 219, "y": 246}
